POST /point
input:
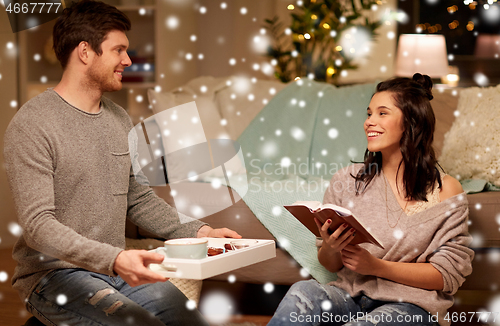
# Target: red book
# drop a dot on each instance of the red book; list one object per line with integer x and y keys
{"x": 306, "y": 211}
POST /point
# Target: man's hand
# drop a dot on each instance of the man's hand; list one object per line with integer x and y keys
{"x": 207, "y": 231}
{"x": 131, "y": 265}
{"x": 359, "y": 260}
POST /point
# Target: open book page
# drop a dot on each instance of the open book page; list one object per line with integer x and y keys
{"x": 306, "y": 211}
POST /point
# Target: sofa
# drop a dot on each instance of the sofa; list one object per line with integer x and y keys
{"x": 229, "y": 106}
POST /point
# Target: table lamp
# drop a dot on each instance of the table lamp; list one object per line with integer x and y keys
{"x": 425, "y": 54}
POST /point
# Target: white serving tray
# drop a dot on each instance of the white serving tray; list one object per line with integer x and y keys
{"x": 199, "y": 269}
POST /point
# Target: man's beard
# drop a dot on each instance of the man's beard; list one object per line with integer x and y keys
{"x": 98, "y": 78}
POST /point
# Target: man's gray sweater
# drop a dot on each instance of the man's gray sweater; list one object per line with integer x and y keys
{"x": 73, "y": 187}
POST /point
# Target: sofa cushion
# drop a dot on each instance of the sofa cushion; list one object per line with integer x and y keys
{"x": 471, "y": 147}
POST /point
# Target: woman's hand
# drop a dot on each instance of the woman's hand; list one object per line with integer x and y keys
{"x": 336, "y": 241}
{"x": 359, "y": 260}
{"x": 329, "y": 253}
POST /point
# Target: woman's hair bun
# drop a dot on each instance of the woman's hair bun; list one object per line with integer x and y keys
{"x": 426, "y": 83}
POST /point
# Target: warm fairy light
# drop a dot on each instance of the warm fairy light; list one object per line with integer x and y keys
{"x": 338, "y": 48}
{"x": 330, "y": 71}
{"x": 314, "y": 17}
{"x": 301, "y": 37}
{"x": 297, "y": 78}
{"x": 452, "y": 9}
{"x": 472, "y": 6}
{"x": 326, "y": 26}
{"x": 470, "y": 26}
{"x": 307, "y": 36}
{"x": 290, "y": 7}
{"x": 454, "y": 24}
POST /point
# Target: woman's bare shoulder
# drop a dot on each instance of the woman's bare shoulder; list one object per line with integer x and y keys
{"x": 451, "y": 187}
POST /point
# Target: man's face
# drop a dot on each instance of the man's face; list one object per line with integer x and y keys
{"x": 105, "y": 71}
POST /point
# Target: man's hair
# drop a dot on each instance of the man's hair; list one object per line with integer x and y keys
{"x": 89, "y": 21}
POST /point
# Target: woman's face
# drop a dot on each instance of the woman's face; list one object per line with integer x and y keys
{"x": 384, "y": 124}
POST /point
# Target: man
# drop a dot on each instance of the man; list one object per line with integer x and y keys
{"x": 69, "y": 168}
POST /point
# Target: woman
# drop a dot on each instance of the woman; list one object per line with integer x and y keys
{"x": 419, "y": 215}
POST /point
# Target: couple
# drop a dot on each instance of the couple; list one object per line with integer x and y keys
{"x": 69, "y": 170}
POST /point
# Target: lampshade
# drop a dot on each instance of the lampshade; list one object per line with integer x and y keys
{"x": 425, "y": 54}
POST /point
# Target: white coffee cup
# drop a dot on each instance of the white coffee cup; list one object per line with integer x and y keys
{"x": 187, "y": 248}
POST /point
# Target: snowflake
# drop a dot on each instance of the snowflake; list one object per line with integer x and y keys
{"x": 284, "y": 243}
{"x": 217, "y": 307}
{"x": 304, "y": 272}
{"x": 286, "y": 162}
{"x": 223, "y": 5}
{"x": 298, "y": 134}
{"x": 232, "y": 61}
{"x": 352, "y": 152}
{"x": 268, "y": 287}
{"x": 481, "y": 79}
{"x": 276, "y": 210}
{"x": 493, "y": 256}
{"x": 231, "y": 278}
{"x": 13, "y": 104}
{"x": 277, "y": 132}
{"x": 191, "y": 304}
{"x": 15, "y": 229}
{"x": 61, "y": 299}
{"x": 398, "y": 234}
{"x": 172, "y": 22}
{"x": 216, "y": 183}
{"x": 243, "y": 11}
{"x": 333, "y": 133}
{"x": 203, "y": 10}
{"x": 3, "y": 276}
{"x": 326, "y": 305}
{"x": 269, "y": 149}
